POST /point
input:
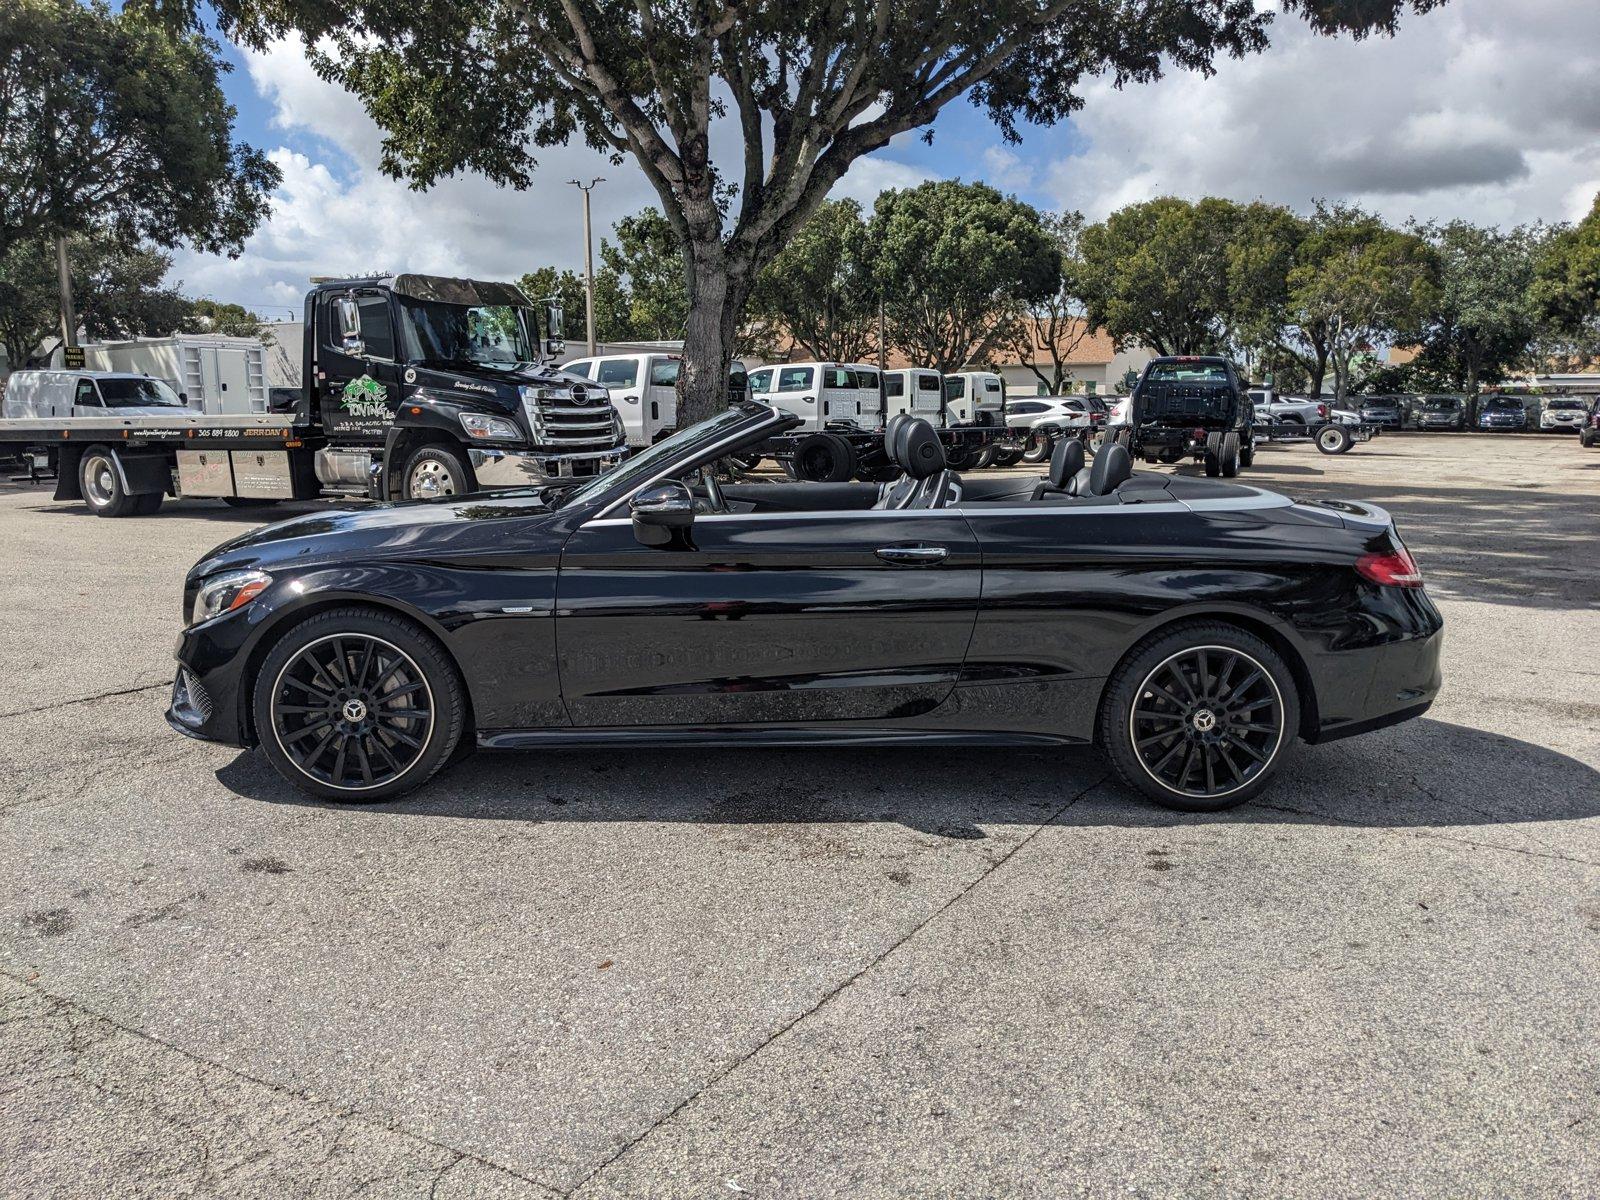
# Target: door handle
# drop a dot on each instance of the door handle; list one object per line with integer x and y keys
{"x": 912, "y": 556}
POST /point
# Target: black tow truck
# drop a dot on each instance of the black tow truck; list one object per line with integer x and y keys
{"x": 413, "y": 387}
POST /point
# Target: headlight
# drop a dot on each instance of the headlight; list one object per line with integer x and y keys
{"x": 489, "y": 428}
{"x": 226, "y": 592}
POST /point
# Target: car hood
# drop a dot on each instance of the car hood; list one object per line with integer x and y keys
{"x": 419, "y": 528}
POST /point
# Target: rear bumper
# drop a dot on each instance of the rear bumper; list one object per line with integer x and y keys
{"x": 1381, "y": 685}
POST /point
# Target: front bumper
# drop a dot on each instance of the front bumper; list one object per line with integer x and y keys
{"x": 510, "y": 468}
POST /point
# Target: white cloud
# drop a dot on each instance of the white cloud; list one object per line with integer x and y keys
{"x": 1484, "y": 110}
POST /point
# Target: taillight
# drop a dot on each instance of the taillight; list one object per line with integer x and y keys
{"x": 1391, "y": 568}
{"x": 1322, "y": 411}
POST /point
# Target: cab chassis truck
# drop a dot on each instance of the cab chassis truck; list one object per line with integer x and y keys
{"x": 414, "y": 386}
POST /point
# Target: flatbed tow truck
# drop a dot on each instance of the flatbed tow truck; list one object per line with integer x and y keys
{"x": 414, "y": 387}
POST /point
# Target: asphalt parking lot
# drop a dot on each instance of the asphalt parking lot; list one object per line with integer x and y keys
{"x": 823, "y": 972}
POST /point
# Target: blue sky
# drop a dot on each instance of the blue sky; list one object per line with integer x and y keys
{"x": 1484, "y": 110}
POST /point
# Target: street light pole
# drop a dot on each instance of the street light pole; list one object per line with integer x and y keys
{"x": 588, "y": 259}
{"x": 69, "y": 318}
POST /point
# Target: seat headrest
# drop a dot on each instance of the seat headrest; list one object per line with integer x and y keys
{"x": 1066, "y": 460}
{"x": 920, "y": 452}
{"x": 1113, "y": 465}
{"x": 890, "y": 432}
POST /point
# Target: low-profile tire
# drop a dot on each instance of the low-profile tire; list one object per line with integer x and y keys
{"x": 101, "y": 485}
{"x": 248, "y": 502}
{"x": 824, "y": 458}
{"x": 1228, "y": 457}
{"x": 1007, "y": 458}
{"x": 1199, "y": 717}
{"x": 358, "y": 705}
{"x": 1333, "y": 439}
{"x": 1039, "y": 447}
{"x": 434, "y": 473}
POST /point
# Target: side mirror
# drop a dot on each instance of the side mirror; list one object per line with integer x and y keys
{"x": 661, "y": 512}
{"x": 350, "y": 327}
{"x": 557, "y": 322}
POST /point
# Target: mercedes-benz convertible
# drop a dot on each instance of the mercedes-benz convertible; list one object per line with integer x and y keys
{"x": 1193, "y": 629}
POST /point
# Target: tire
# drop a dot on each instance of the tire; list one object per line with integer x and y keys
{"x": 1333, "y": 439}
{"x": 1247, "y": 453}
{"x": 1229, "y": 455}
{"x": 958, "y": 456}
{"x": 311, "y": 747}
{"x": 247, "y": 502}
{"x": 1213, "y": 456}
{"x": 985, "y": 457}
{"x": 1141, "y": 727}
{"x": 1585, "y": 438}
{"x": 434, "y": 473}
{"x": 101, "y": 486}
{"x": 1040, "y": 446}
{"x": 148, "y": 504}
{"x": 824, "y": 458}
{"x": 1007, "y": 458}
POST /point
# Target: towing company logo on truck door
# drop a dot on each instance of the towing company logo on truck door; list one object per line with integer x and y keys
{"x": 363, "y": 406}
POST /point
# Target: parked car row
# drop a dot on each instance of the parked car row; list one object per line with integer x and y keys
{"x": 1492, "y": 412}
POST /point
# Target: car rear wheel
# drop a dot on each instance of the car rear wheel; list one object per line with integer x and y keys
{"x": 359, "y": 705}
{"x": 1199, "y": 717}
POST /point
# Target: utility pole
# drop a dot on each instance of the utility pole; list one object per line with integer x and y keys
{"x": 882, "y": 353}
{"x": 588, "y": 259}
{"x": 69, "y": 318}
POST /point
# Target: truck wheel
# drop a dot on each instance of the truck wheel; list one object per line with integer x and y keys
{"x": 1229, "y": 456}
{"x": 1007, "y": 458}
{"x": 1247, "y": 453}
{"x": 1213, "y": 456}
{"x": 824, "y": 458}
{"x": 1333, "y": 439}
{"x": 357, "y": 704}
{"x": 984, "y": 458}
{"x": 1039, "y": 448}
{"x": 148, "y": 504}
{"x": 102, "y": 487}
{"x": 433, "y": 473}
{"x": 958, "y": 456}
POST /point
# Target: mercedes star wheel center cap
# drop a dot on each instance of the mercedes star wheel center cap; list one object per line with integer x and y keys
{"x": 355, "y": 711}
{"x": 1205, "y": 721}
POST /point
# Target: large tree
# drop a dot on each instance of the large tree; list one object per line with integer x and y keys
{"x": 115, "y": 121}
{"x": 1485, "y": 317}
{"x": 1357, "y": 284}
{"x": 1046, "y": 331}
{"x": 818, "y": 293}
{"x": 1566, "y": 290}
{"x": 954, "y": 262}
{"x": 645, "y": 264}
{"x": 806, "y": 86}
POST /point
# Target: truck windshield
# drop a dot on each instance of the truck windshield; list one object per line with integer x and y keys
{"x": 485, "y": 334}
{"x": 138, "y": 393}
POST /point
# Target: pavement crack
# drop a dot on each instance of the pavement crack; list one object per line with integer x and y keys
{"x": 72, "y": 1008}
{"x": 828, "y": 996}
{"x": 127, "y": 691}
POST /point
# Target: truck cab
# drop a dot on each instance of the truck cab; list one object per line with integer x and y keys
{"x": 440, "y": 386}
{"x": 975, "y": 398}
{"x": 1192, "y": 406}
{"x": 644, "y": 391}
{"x": 917, "y": 391}
{"x": 820, "y": 394}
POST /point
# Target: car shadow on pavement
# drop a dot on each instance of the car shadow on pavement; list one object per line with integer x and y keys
{"x": 1424, "y": 774}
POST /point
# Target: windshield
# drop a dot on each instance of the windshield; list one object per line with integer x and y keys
{"x": 1578, "y": 404}
{"x": 1187, "y": 372}
{"x": 645, "y": 464}
{"x": 1502, "y": 403}
{"x": 1441, "y": 405}
{"x": 138, "y": 393}
{"x": 486, "y": 334}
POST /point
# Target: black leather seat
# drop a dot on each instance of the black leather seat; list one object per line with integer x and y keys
{"x": 1113, "y": 466}
{"x": 1066, "y": 460}
{"x": 915, "y": 446}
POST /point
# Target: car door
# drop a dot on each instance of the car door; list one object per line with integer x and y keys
{"x": 358, "y": 394}
{"x": 766, "y": 618}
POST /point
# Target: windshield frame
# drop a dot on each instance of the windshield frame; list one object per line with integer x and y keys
{"x": 724, "y": 432}
{"x": 411, "y": 343}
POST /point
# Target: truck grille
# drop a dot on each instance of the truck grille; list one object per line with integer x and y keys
{"x": 570, "y": 420}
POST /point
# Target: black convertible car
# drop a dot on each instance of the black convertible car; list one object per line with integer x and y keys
{"x": 1192, "y": 628}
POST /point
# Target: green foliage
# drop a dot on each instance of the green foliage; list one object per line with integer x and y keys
{"x": 1566, "y": 289}
{"x": 818, "y": 293}
{"x": 808, "y": 87}
{"x": 1045, "y": 331}
{"x": 954, "y": 262}
{"x": 213, "y": 316}
{"x": 114, "y": 121}
{"x": 646, "y": 265}
{"x": 1358, "y": 284}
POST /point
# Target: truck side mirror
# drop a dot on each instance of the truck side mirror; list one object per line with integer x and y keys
{"x": 555, "y": 342}
{"x": 350, "y": 327}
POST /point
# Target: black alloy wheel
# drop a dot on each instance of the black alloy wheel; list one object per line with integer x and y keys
{"x": 1198, "y": 719}
{"x": 357, "y": 705}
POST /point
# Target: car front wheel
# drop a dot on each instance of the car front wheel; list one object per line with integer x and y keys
{"x": 356, "y": 704}
{"x": 1199, "y": 717}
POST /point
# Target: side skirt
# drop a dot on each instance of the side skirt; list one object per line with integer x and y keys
{"x": 690, "y": 735}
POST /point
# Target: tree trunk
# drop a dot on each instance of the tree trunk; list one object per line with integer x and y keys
{"x": 718, "y": 291}
{"x": 1319, "y": 373}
